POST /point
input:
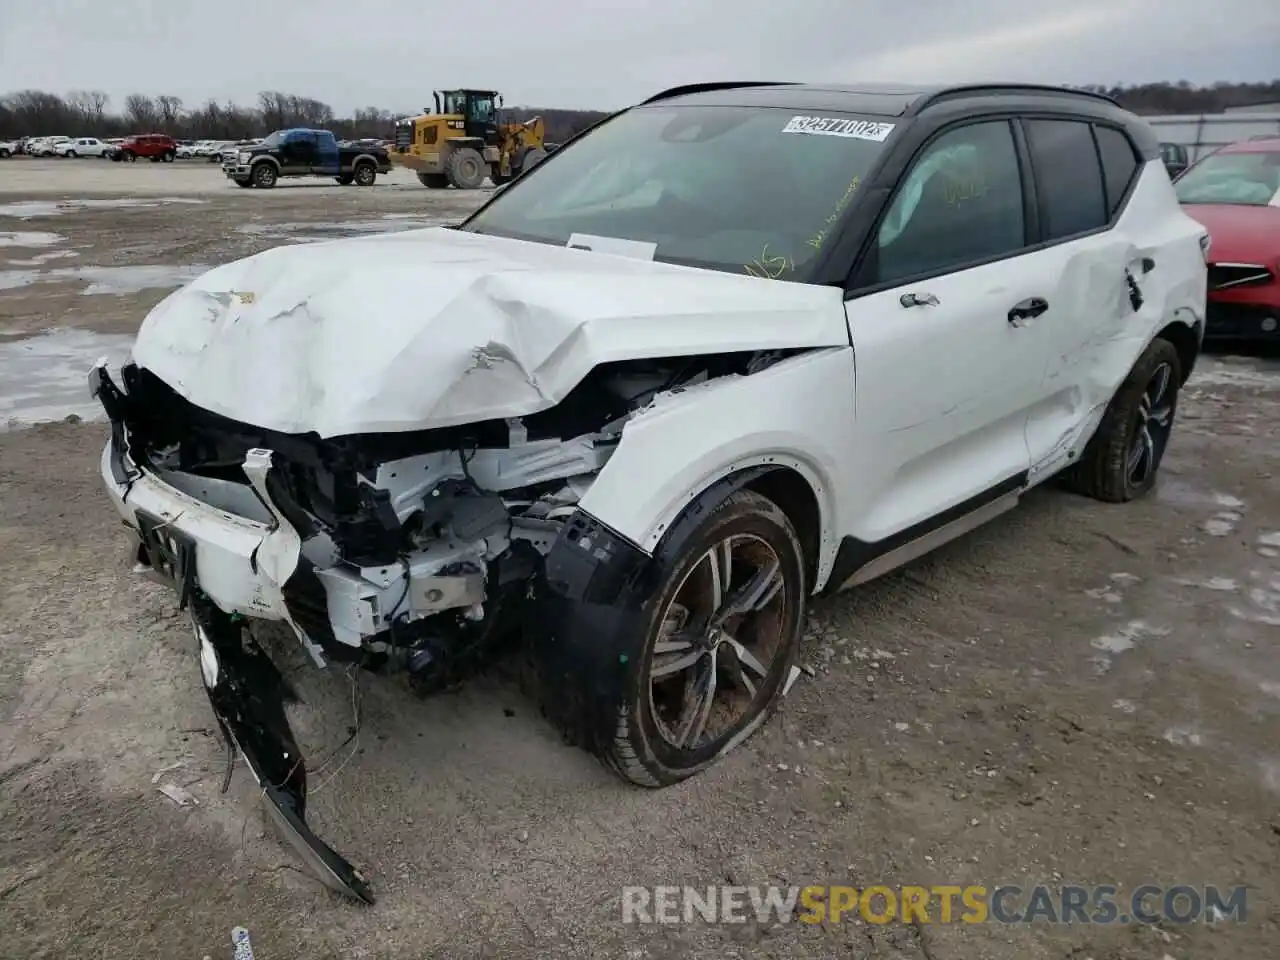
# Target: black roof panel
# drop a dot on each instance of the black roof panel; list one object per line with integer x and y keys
{"x": 880, "y": 99}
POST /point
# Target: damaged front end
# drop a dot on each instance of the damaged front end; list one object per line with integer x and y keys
{"x": 417, "y": 551}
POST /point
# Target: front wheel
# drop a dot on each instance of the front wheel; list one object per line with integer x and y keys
{"x": 719, "y": 636}
{"x": 264, "y": 176}
{"x": 71, "y": 154}
{"x": 365, "y": 175}
{"x": 1121, "y": 460}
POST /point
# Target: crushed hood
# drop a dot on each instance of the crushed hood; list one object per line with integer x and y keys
{"x": 437, "y": 327}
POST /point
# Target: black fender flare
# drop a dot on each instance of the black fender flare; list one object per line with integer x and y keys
{"x": 589, "y": 611}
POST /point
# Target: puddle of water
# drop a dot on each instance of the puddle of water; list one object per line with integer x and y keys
{"x": 26, "y": 209}
{"x": 108, "y": 280}
{"x": 42, "y": 258}
{"x": 29, "y": 238}
{"x": 46, "y": 377}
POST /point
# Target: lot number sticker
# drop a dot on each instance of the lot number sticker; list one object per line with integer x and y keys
{"x": 839, "y": 127}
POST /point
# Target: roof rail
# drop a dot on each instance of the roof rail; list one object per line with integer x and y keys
{"x": 974, "y": 89}
{"x": 713, "y": 86}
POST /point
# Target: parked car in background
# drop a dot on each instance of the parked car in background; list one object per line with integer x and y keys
{"x": 1235, "y": 193}
{"x": 45, "y": 146}
{"x": 8, "y": 148}
{"x": 82, "y": 147}
{"x": 150, "y": 146}
{"x": 306, "y": 153}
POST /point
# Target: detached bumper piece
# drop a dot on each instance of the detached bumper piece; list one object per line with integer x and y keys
{"x": 248, "y": 695}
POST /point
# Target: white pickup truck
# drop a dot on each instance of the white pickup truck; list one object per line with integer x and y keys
{"x": 8, "y": 148}
{"x": 81, "y": 147}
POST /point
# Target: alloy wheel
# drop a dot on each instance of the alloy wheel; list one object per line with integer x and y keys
{"x": 721, "y": 636}
{"x": 1155, "y": 423}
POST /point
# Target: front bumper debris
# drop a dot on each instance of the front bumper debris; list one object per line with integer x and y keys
{"x": 248, "y": 695}
{"x": 224, "y": 567}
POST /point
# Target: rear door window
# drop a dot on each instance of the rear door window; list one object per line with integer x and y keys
{"x": 1119, "y": 164}
{"x": 1068, "y": 177}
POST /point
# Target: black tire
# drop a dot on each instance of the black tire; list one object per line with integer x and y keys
{"x": 4, "y": 154}
{"x": 263, "y": 175}
{"x": 532, "y": 159}
{"x": 1122, "y": 458}
{"x": 633, "y": 730}
{"x": 433, "y": 181}
{"x": 344, "y": 179}
{"x": 365, "y": 174}
{"x": 466, "y": 169}
{"x": 72, "y": 155}
{"x": 131, "y": 156}
{"x": 169, "y": 157}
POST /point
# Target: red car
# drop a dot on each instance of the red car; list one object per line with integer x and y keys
{"x": 152, "y": 146}
{"x": 1235, "y": 193}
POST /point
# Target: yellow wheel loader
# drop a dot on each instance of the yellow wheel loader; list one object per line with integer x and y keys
{"x": 463, "y": 141}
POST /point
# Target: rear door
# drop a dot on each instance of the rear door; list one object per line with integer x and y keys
{"x": 947, "y": 369}
{"x": 1125, "y": 260}
{"x": 327, "y": 159}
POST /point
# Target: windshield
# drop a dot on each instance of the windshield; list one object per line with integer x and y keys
{"x": 740, "y": 189}
{"x": 274, "y": 139}
{"x": 1246, "y": 178}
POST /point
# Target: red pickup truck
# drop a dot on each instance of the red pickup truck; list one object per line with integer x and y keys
{"x": 154, "y": 146}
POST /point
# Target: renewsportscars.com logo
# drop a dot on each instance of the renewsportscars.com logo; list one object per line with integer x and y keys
{"x": 941, "y": 903}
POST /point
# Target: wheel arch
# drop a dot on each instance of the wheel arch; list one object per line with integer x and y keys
{"x": 1186, "y": 337}
{"x": 266, "y": 158}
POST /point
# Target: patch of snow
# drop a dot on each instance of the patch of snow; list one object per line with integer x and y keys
{"x": 27, "y": 209}
{"x": 1124, "y": 706}
{"x": 30, "y": 239}
{"x": 1183, "y": 736}
{"x": 1226, "y": 500}
{"x": 1270, "y": 539}
{"x": 1221, "y": 524}
{"x": 108, "y": 280}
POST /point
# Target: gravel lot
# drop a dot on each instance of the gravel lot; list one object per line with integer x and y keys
{"x": 1074, "y": 694}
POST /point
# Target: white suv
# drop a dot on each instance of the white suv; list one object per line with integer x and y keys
{"x": 737, "y": 346}
{"x": 82, "y": 147}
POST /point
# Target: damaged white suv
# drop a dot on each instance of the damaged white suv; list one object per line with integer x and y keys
{"x": 734, "y": 347}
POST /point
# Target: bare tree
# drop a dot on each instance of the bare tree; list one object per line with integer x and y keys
{"x": 141, "y": 112}
{"x": 170, "y": 110}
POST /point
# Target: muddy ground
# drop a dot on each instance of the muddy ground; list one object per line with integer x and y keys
{"x": 1076, "y": 693}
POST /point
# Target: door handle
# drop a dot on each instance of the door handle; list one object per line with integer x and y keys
{"x": 1027, "y": 309}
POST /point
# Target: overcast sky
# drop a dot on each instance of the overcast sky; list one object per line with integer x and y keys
{"x": 392, "y": 53}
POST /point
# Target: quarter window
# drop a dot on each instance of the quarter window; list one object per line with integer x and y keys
{"x": 1068, "y": 177}
{"x": 961, "y": 203}
{"x": 1118, "y": 164}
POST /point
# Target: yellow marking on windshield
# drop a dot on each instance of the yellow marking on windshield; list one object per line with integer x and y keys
{"x": 820, "y": 236}
{"x": 768, "y": 267}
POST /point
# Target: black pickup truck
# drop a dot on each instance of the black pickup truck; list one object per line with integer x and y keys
{"x": 305, "y": 153}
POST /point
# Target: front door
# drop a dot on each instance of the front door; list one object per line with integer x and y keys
{"x": 949, "y": 356}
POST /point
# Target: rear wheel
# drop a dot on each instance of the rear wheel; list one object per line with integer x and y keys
{"x": 1121, "y": 460}
{"x": 365, "y": 174}
{"x": 433, "y": 181}
{"x": 168, "y": 157}
{"x": 466, "y": 169}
